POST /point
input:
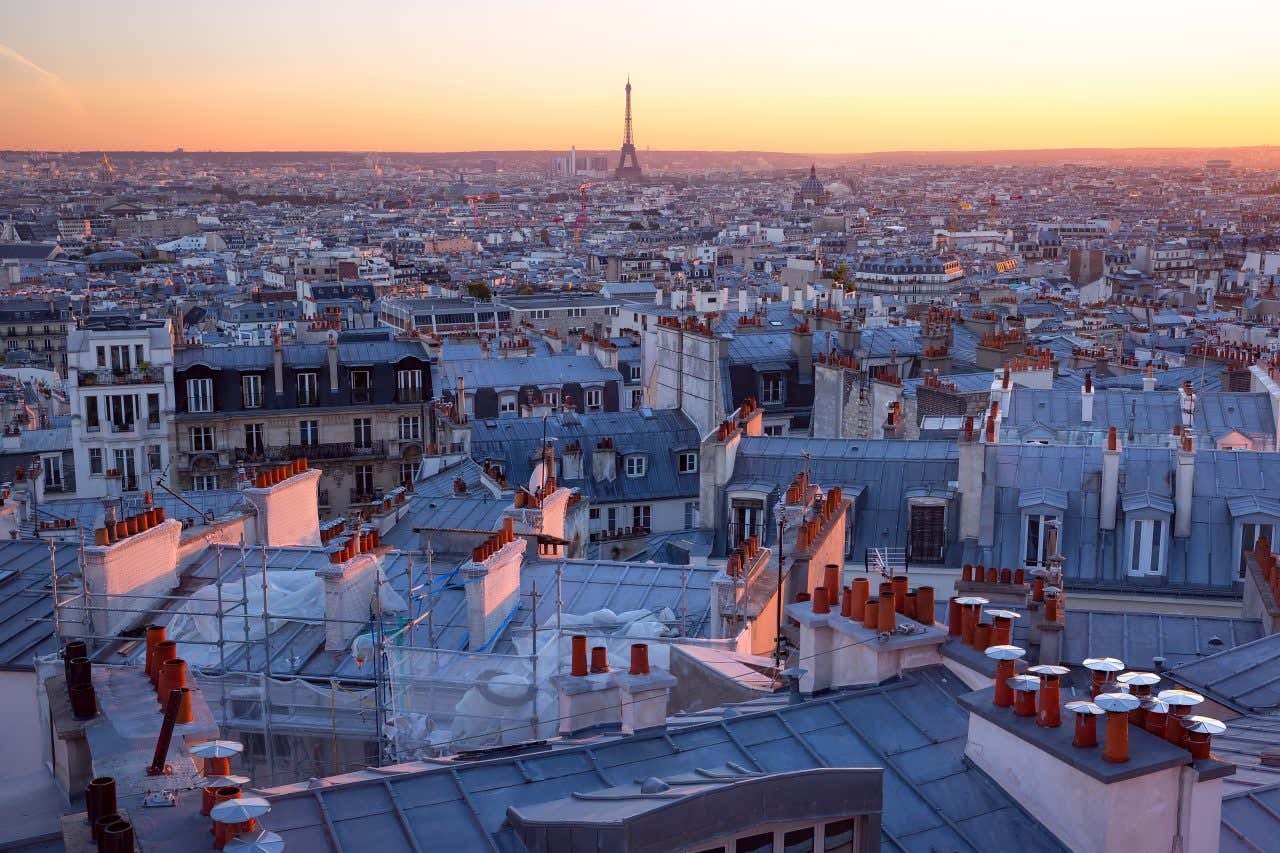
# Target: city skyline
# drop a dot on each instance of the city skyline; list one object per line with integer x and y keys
{"x": 716, "y": 77}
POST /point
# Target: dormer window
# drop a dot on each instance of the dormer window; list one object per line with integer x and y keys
{"x": 687, "y": 462}
{"x": 636, "y": 465}
{"x": 1146, "y": 546}
{"x": 771, "y": 388}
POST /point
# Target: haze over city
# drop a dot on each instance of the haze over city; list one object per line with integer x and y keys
{"x": 497, "y": 75}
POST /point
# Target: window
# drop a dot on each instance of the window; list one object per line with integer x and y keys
{"x": 1249, "y": 536}
{"x": 771, "y": 388}
{"x": 362, "y": 433}
{"x": 539, "y": 314}
{"x": 761, "y": 843}
{"x": 102, "y": 353}
{"x": 122, "y": 411}
{"x": 1036, "y": 538}
{"x": 551, "y": 398}
{"x": 95, "y": 460}
{"x": 361, "y": 386}
{"x": 773, "y": 429}
{"x": 926, "y": 537}
{"x": 125, "y": 464}
{"x": 690, "y": 515}
{"x": 251, "y": 388}
{"x": 120, "y": 361}
{"x": 595, "y": 399}
{"x": 154, "y": 458}
{"x": 91, "y": 423}
{"x": 204, "y": 482}
{"x": 576, "y": 312}
{"x": 594, "y": 513}
{"x": 687, "y": 462}
{"x": 637, "y": 398}
{"x": 408, "y": 470}
{"x": 253, "y": 439}
{"x": 410, "y": 428}
{"x": 1146, "y": 546}
{"x": 747, "y": 520}
{"x": 508, "y": 404}
{"x": 51, "y": 467}
{"x": 838, "y": 837}
{"x": 636, "y": 466}
{"x": 308, "y": 433}
{"x": 201, "y": 438}
{"x": 635, "y": 372}
{"x": 199, "y": 395}
{"x": 309, "y": 389}
{"x": 153, "y": 410}
{"x": 641, "y": 516}
{"x": 612, "y": 515}
{"x": 798, "y": 840}
{"x": 409, "y": 386}
{"x": 364, "y": 481}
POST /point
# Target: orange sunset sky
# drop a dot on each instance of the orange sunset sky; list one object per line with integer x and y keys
{"x": 845, "y": 76}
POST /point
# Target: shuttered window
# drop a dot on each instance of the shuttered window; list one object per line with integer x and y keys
{"x": 928, "y": 536}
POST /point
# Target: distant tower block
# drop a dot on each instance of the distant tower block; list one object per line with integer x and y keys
{"x": 628, "y": 165}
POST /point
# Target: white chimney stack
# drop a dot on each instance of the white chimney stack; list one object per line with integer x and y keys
{"x": 1183, "y": 479}
{"x": 1086, "y": 399}
{"x": 1110, "y": 482}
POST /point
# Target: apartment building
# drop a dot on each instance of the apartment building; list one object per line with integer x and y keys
{"x": 120, "y": 389}
{"x": 37, "y": 326}
{"x": 356, "y": 403}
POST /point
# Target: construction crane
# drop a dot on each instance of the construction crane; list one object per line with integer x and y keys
{"x": 581, "y": 215}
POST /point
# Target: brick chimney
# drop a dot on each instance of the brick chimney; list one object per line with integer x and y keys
{"x": 644, "y": 692}
{"x": 493, "y": 588}
{"x": 138, "y": 556}
{"x": 350, "y": 583}
{"x": 586, "y": 698}
{"x": 1134, "y": 791}
{"x": 841, "y": 651}
{"x": 286, "y": 498}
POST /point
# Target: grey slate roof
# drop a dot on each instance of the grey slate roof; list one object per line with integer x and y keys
{"x": 1251, "y": 820}
{"x": 934, "y": 799}
{"x": 658, "y": 436}
{"x": 1246, "y": 678}
{"x": 515, "y": 373}
{"x": 26, "y": 600}
{"x": 351, "y": 353}
{"x": 1153, "y": 413}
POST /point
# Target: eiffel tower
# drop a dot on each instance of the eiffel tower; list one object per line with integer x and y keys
{"x": 629, "y": 172}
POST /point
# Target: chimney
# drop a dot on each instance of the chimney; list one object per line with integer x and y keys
{"x": 587, "y": 697}
{"x": 971, "y": 468}
{"x": 350, "y": 581}
{"x": 838, "y": 650}
{"x": 1138, "y": 792}
{"x": 141, "y": 559}
{"x": 277, "y": 360}
{"x": 286, "y": 498}
{"x": 493, "y": 582}
{"x": 1183, "y": 479}
{"x": 1110, "y": 482}
{"x": 802, "y": 348}
{"x": 1149, "y": 378}
{"x": 334, "y": 386}
{"x": 742, "y": 301}
{"x": 604, "y": 461}
{"x": 460, "y": 397}
{"x": 643, "y": 692}
{"x": 1086, "y": 399}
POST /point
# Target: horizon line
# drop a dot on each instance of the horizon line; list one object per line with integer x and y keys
{"x": 899, "y": 151}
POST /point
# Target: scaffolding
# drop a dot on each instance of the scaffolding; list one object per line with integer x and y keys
{"x": 410, "y": 699}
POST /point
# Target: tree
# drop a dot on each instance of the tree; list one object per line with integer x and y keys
{"x": 479, "y": 289}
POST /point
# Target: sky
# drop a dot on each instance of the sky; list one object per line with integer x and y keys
{"x": 806, "y": 77}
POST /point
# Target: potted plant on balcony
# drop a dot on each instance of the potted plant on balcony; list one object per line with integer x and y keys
{"x": 88, "y": 377}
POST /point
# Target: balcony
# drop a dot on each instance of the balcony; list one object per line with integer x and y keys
{"x": 359, "y": 496}
{"x": 150, "y": 376}
{"x": 313, "y": 452}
